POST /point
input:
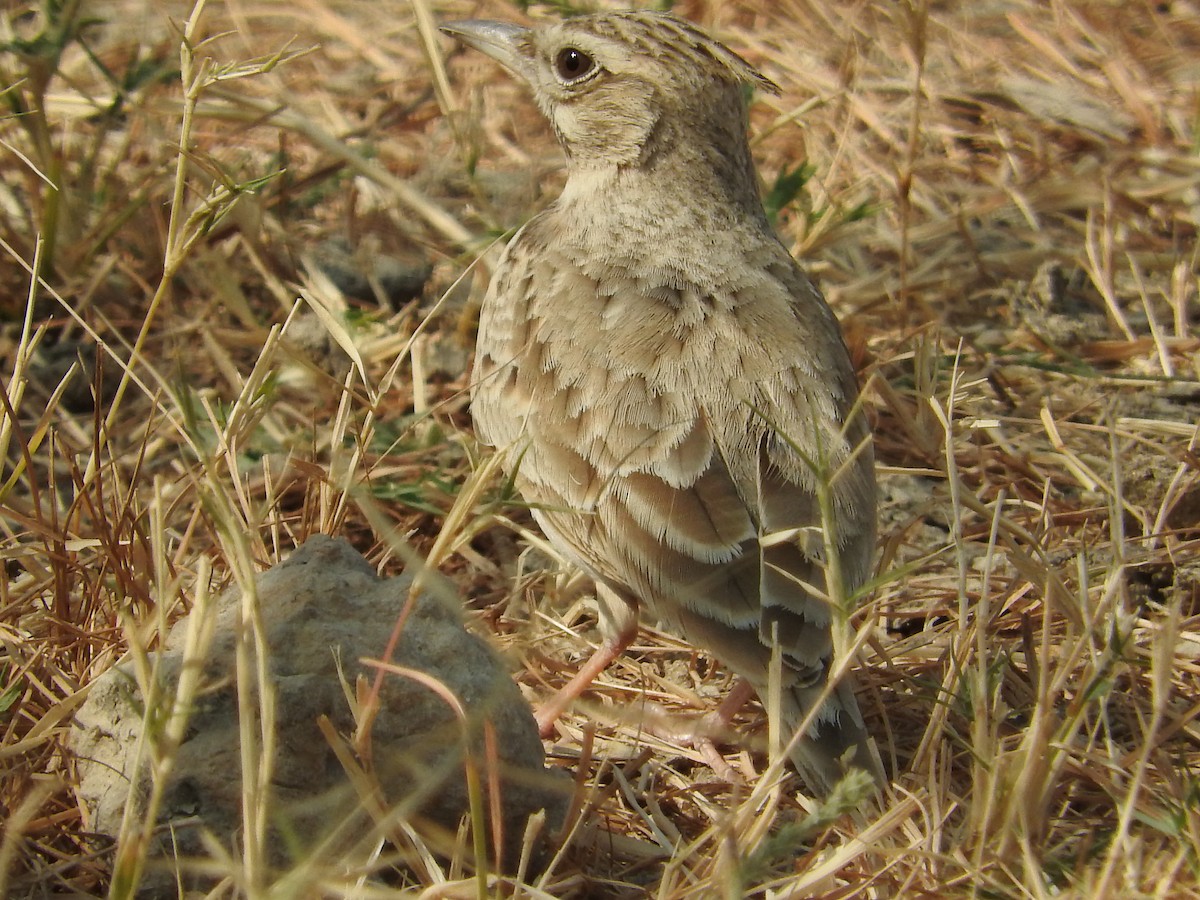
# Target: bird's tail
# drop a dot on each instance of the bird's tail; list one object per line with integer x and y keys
{"x": 835, "y": 743}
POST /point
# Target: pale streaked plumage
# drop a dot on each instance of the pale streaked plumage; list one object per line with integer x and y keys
{"x": 649, "y": 352}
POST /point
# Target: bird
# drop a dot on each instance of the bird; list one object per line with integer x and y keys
{"x": 672, "y": 394}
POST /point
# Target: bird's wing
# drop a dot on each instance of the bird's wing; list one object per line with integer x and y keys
{"x": 652, "y": 429}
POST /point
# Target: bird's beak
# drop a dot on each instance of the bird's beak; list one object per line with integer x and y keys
{"x": 502, "y": 41}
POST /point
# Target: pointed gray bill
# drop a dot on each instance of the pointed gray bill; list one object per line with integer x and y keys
{"x": 500, "y": 40}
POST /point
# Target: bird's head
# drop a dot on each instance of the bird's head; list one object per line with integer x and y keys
{"x": 620, "y": 87}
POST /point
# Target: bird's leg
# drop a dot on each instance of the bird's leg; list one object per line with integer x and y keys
{"x": 721, "y": 718}
{"x": 548, "y": 715}
{"x": 618, "y": 620}
{"x": 718, "y": 721}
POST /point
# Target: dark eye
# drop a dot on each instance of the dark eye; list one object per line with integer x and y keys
{"x": 572, "y": 64}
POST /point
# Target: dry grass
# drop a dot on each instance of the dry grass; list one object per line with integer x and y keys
{"x": 1003, "y": 209}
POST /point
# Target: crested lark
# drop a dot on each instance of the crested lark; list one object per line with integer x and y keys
{"x": 672, "y": 392}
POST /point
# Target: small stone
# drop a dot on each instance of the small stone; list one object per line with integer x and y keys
{"x": 310, "y": 336}
{"x": 369, "y": 274}
{"x": 1061, "y": 305}
{"x": 322, "y": 606}
{"x": 52, "y": 362}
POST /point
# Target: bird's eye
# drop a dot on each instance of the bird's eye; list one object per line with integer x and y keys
{"x": 572, "y": 64}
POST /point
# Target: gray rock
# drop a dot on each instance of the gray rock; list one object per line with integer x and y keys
{"x": 1060, "y": 305}
{"x": 309, "y": 335}
{"x": 52, "y": 362}
{"x": 323, "y": 604}
{"x": 369, "y": 274}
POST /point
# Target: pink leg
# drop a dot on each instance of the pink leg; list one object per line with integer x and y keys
{"x": 618, "y": 622}
{"x": 548, "y": 715}
{"x": 721, "y": 719}
{"x": 738, "y": 695}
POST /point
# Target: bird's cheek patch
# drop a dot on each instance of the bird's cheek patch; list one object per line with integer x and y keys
{"x": 606, "y": 124}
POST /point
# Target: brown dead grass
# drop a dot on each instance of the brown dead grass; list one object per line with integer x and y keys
{"x": 1004, "y": 213}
